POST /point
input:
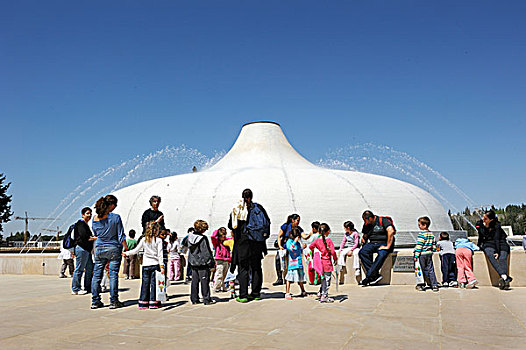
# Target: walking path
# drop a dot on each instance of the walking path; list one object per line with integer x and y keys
{"x": 38, "y": 312}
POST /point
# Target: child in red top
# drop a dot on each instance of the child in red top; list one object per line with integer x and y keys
{"x": 222, "y": 257}
{"x": 326, "y": 248}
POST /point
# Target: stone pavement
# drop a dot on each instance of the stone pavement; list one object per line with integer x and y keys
{"x": 38, "y": 312}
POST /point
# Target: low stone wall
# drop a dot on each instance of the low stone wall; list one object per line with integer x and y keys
{"x": 48, "y": 264}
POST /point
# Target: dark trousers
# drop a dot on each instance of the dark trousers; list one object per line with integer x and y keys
{"x": 426, "y": 263}
{"x": 449, "y": 267}
{"x": 200, "y": 276}
{"x": 148, "y": 291}
{"x": 129, "y": 266}
{"x": 279, "y": 272}
{"x": 67, "y": 264}
{"x": 371, "y": 267}
{"x": 246, "y": 269}
{"x": 500, "y": 265}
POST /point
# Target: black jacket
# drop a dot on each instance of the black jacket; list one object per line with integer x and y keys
{"x": 151, "y": 215}
{"x": 492, "y": 236}
{"x": 199, "y": 252}
{"x": 82, "y": 234}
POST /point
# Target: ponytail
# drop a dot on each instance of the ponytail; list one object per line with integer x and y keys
{"x": 102, "y": 206}
{"x": 324, "y": 229}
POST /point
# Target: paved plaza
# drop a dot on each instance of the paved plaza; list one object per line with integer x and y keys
{"x": 38, "y": 312}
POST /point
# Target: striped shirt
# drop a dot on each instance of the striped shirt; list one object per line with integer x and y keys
{"x": 425, "y": 243}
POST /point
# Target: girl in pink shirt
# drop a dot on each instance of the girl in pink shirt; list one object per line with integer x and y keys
{"x": 326, "y": 248}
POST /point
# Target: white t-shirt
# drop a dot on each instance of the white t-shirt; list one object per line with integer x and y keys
{"x": 153, "y": 252}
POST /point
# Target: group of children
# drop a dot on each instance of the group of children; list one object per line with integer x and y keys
{"x": 455, "y": 259}
{"x": 162, "y": 248}
{"x": 320, "y": 253}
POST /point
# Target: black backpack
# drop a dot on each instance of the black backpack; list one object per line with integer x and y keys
{"x": 69, "y": 242}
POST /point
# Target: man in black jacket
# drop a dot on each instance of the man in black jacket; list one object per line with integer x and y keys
{"x": 83, "y": 246}
{"x": 153, "y": 214}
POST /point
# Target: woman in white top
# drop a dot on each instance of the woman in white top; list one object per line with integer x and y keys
{"x": 152, "y": 261}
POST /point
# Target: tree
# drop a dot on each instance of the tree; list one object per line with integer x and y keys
{"x": 5, "y": 208}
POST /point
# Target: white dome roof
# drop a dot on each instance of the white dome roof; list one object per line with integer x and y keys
{"x": 284, "y": 183}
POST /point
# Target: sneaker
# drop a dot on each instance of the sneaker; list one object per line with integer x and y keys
{"x": 445, "y": 285}
{"x": 471, "y": 284}
{"x": 318, "y": 295}
{"x": 507, "y": 283}
{"x": 142, "y": 307}
{"x": 364, "y": 282}
{"x": 501, "y": 283}
{"x": 278, "y": 283}
{"x": 324, "y": 299}
{"x": 376, "y": 280}
{"x": 241, "y": 300}
{"x": 254, "y": 297}
{"x": 435, "y": 288}
{"x": 462, "y": 285}
{"x": 74, "y": 292}
{"x": 357, "y": 272}
{"x": 116, "y": 304}
{"x": 62, "y": 276}
{"x": 304, "y": 294}
{"x": 209, "y": 302}
{"x": 97, "y": 305}
{"x": 127, "y": 277}
{"x": 151, "y": 306}
{"x": 288, "y": 296}
{"x": 420, "y": 288}
{"x": 453, "y": 284}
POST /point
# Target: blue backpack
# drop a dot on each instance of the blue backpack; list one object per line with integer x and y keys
{"x": 258, "y": 227}
{"x": 69, "y": 242}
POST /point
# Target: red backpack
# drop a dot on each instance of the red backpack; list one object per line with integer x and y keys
{"x": 388, "y": 218}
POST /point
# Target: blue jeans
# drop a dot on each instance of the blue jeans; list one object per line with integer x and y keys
{"x": 148, "y": 289}
{"x": 372, "y": 268}
{"x": 500, "y": 265}
{"x": 84, "y": 261}
{"x": 104, "y": 255}
{"x": 426, "y": 263}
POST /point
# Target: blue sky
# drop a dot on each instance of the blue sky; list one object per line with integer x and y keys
{"x": 88, "y": 84}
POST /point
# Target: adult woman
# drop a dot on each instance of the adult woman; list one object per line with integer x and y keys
{"x": 247, "y": 253}
{"x": 492, "y": 240}
{"x": 108, "y": 229}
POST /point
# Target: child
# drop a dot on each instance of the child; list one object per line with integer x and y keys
{"x": 152, "y": 261}
{"x": 231, "y": 277}
{"x": 327, "y": 251}
{"x": 67, "y": 262}
{"x": 425, "y": 246}
{"x": 130, "y": 261}
{"x": 222, "y": 257}
{"x": 105, "y": 283}
{"x": 350, "y": 246}
{"x": 295, "y": 272}
{"x": 464, "y": 249}
{"x": 174, "y": 258}
{"x": 314, "y": 277}
{"x": 201, "y": 260}
{"x": 447, "y": 261}
{"x": 184, "y": 250}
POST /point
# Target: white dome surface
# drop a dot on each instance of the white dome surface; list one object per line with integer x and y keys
{"x": 284, "y": 183}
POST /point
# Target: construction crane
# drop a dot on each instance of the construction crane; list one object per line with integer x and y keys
{"x": 26, "y": 220}
{"x": 57, "y": 231}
